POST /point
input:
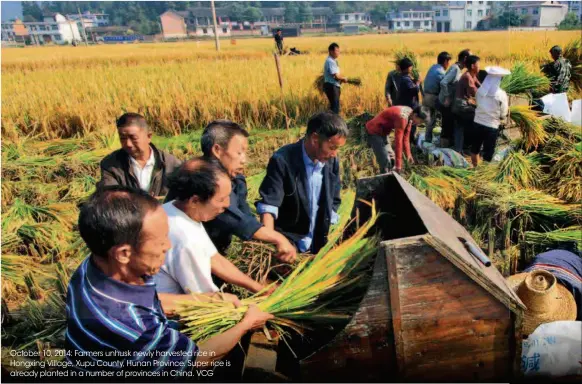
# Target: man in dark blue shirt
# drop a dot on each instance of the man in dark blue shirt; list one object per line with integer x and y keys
{"x": 115, "y": 320}
{"x": 300, "y": 194}
{"x": 408, "y": 90}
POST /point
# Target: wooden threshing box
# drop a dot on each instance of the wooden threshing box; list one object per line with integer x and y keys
{"x": 432, "y": 312}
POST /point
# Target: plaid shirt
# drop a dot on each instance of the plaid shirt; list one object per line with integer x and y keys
{"x": 559, "y": 74}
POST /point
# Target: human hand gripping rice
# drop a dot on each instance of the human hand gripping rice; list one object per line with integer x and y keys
{"x": 298, "y": 298}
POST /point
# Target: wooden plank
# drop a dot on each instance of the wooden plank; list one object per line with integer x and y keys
{"x": 393, "y": 283}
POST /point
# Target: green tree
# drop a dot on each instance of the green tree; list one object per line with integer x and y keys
{"x": 378, "y": 13}
{"x": 570, "y": 22}
{"x": 251, "y": 14}
{"x": 31, "y": 11}
{"x": 292, "y": 13}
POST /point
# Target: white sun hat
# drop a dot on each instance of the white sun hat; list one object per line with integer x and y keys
{"x": 497, "y": 71}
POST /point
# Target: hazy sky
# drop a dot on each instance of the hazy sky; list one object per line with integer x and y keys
{"x": 11, "y": 10}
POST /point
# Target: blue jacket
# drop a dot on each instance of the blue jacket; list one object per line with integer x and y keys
{"x": 408, "y": 92}
{"x": 432, "y": 82}
{"x": 285, "y": 187}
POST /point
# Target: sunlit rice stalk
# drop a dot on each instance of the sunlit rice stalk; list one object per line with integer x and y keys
{"x": 530, "y": 125}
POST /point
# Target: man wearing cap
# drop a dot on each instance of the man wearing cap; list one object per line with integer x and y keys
{"x": 558, "y": 71}
{"x": 492, "y": 110}
{"x": 551, "y": 289}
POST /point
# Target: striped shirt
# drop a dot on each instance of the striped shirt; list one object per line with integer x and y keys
{"x": 112, "y": 325}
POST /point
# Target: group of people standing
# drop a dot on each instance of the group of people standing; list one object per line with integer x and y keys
{"x": 147, "y": 257}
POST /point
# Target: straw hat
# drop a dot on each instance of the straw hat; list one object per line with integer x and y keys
{"x": 497, "y": 71}
{"x": 546, "y": 300}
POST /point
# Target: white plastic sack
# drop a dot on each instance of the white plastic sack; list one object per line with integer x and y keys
{"x": 577, "y": 112}
{"x": 556, "y": 104}
{"x": 554, "y": 349}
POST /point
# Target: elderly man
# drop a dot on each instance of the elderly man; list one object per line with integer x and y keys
{"x": 138, "y": 164}
{"x": 202, "y": 192}
{"x": 113, "y": 310}
{"x": 300, "y": 194}
{"x": 447, "y": 96}
{"x": 558, "y": 71}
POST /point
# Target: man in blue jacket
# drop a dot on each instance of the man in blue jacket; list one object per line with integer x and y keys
{"x": 300, "y": 194}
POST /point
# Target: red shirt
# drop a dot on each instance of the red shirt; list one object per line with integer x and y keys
{"x": 395, "y": 119}
{"x": 467, "y": 86}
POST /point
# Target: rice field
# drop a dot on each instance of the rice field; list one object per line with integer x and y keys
{"x": 59, "y": 106}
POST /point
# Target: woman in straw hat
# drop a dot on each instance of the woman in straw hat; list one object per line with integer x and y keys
{"x": 545, "y": 298}
{"x": 492, "y": 110}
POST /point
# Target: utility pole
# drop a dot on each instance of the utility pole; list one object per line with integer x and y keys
{"x": 83, "y": 26}
{"x": 216, "y": 41}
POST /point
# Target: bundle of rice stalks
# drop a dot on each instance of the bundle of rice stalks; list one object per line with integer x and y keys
{"x": 298, "y": 298}
{"x": 523, "y": 81}
{"x": 555, "y": 126}
{"x": 443, "y": 185}
{"x": 529, "y": 124}
{"x": 406, "y": 53}
{"x": 357, "y": 161}
{"x": 559, "y": 237}
{"x": 517, "y": 169}
{"x": 357, "y": 126}
{"x": 573, "y": 53}
{"x": 320, "y": 81}
{"x": 565, "y": 178}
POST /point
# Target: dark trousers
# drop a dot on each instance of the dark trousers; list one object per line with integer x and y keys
{"x": 280, "y": 47}
{"x": 447, "y": 121}
{"x": 463, "y": 132}
{"x": 333, "y": 95}
{"x": 486, "y": 137}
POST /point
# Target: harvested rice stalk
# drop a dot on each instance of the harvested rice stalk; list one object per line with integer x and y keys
{"x": 521, "y": 80}
{"x": 565, "y": 178}
{"x": 558, "y": 127}
{"x": 571, "y": 235}
{"x": 517, "y": 169}
{"x": 529, "y": 124}
{"x": 298, "y": 296}
{"x": 320, "y": 81}
{"x": 405, "y": 52}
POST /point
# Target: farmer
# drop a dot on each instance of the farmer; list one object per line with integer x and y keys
{"x": 447, "y": 94}
{"x": 138, "y": 164}
{"x": 202, "y": 192}
{"x": 112, "y": 302}
{"x": 432, "y": 87}
{"x": 392, "y": 86}
{"x": 491, "y": 112}
{"x": 279, "y": 41}
{"x": 464, "y": 104}
{"x": 558, "y": 71}
{"x": 226, "y": 143}
{"x": 332, "y": 78}
{"x": 300, "y": 194}
{"x": 408, "y": 90}
{"x": 398, "y": 119}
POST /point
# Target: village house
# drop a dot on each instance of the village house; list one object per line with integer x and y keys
{"x": 456, "y": 16}
{"x": 91, "y": 20}
{"x": 542, "y": 14}
{"x": 179, "y": 25}
{"x": 407, "y": 19}
{"x": 55, "y": 28}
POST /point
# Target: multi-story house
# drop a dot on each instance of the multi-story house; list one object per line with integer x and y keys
{"x": 407, "y": 19}
{"x": 540, "y": 13}
{"x": 454, "y": 16}
{"x": 91, "y": 20}
{"x": 54, "y": 28}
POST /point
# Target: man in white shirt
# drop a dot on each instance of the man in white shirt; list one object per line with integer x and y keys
{"x": 492, "y": 110}
{"x": 138, "y": 164}
{"x": 202, "y": 192}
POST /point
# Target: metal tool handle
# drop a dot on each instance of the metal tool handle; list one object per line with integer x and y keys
{"x": 475, "y": 251}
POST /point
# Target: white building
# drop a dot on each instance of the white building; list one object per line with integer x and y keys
{"x": 54, "y": 29}
{"x": 455, "y": 16}
{"x": 574, "y": 7}
{"x": 91, "y": 20}
{"x": 542, "y": 14}
{"x": 354, "y": 18}
{"x": 406, "y": 19}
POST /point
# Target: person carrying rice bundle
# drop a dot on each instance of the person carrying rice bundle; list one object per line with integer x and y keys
{"x": 492, "y": 110}
{"x": 333, "y": 78}
{"x": 558, "y": 71}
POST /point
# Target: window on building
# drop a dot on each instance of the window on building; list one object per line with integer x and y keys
{"x": 487, "y": 12}
{"x": 346, "y": 17}
{"x": 357, "y": 17}
{"x": 469, "y": 25}
{"x": 480, "y": 13}
{"x": 407, "y": 23}
{"x": 405, "y": 14}
{"x": 469, "y": 2}
{"x": 416, "y": 24}
{"x": 224, "y": 30}
{"x": 534, "y": 23}
{"x": 55, "y": 27}
{"x": 524, "y": 11}
{"x": 427, "y": 14}
{"x": 42, "y": 28}
{"x": 437, "y": 13}
{"x": 481, "y": 2}
{"x": 469, "y": 12}
{"x": 445, "y": 12}
{"x": 58, "y": 37}
{"x": 536, "y": 11}
{"x": 398, "y": 23}
{"x": 427, "y": 23}
{"x": 204, "y": 31}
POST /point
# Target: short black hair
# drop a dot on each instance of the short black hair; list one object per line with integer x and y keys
{"x": 418, "y": 111}
{"x": 114, "y": 216}
{"x": 130, "y": 119}
{"x": 278, "y": 29}
{"x": 196, "y": 177}
{"x": 471, "y": 60}
{"x": 332, "y": 46}
{"x": 405, "y": 63}
{"x": 481, "y": 75}
{"x": 463, "y": 55}
{"x": 220, "y": 132}
{"x": 327, "y": 124}
{"x": 556, "y": 49}
{"x": 442, "y": 57}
